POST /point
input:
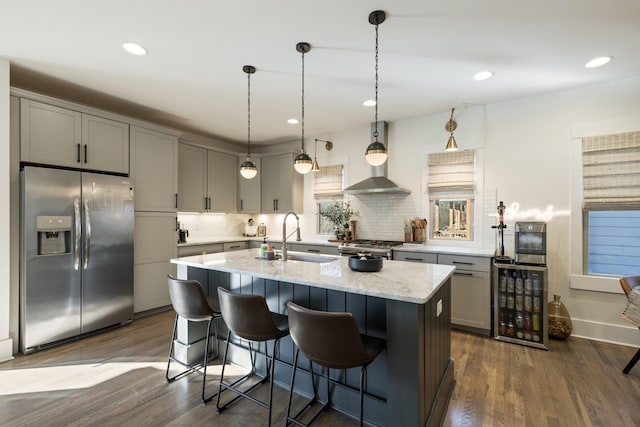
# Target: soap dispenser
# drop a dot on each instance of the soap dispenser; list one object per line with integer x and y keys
{"x": 263, "y": 248}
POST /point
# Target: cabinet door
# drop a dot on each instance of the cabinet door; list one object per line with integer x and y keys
{"x": 192, "y": 169}
{"x": 471, "y": 300}
{"x": 49, "y": 135}
{"x": 268, "y": 183}
{"x": 284, "y": 183}
{"x": 155, "y": 237}
{"x": 105, "y": 144}
{"x": 154, "y": 246}
{"x": 249, "y": 197}
{"x": 154, "y": 161}
{"x": 221, "y": 181}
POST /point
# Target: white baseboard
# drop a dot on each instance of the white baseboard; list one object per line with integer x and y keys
{"x": 606, "y": 332}
{"x": 6, "y": 350}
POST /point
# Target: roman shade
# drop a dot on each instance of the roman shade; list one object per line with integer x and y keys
{"x": 328, "y": 182}
{"x": 452, "y": 172}
{"x": 611, "y": 172}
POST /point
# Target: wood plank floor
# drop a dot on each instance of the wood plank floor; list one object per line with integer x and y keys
{"x": 117, "y": 378}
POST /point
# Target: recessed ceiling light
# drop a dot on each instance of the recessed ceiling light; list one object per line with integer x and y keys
{"x": 369, "y": 103}
{"x": 483, "y": 75}
{"x": 293, "y": 121}
{"x": 134, "y": 49}
{"x": 598, "y": 62}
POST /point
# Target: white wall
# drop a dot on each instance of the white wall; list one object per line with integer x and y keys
{"x": 6, "y": 342}
{"x": 525, "y": 146}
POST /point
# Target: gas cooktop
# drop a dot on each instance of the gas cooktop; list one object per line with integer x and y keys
{"x": 363, "y": 243}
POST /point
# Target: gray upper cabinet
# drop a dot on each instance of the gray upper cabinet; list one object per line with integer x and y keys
{"x": 221, "y": 181}
{"x": 282, "y": 187}
{"x": 154, "y": 159}
{"x": 58, "y": 136}
{"x": 192, "y": 181}
{"x": 249, "y": 197}
{"x": 206, "y": 180}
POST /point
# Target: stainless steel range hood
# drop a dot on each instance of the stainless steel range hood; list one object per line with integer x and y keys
{"x": 378, "y": 181}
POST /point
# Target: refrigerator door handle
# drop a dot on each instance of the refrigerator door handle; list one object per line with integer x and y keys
{"x": 78, "y": 231}
{"x": 87, "y": 234}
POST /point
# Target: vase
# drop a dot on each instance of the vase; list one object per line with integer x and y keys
{"x": 560, "y": 325}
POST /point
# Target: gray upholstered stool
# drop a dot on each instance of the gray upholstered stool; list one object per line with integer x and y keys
{"x": 331, "y": 340}
{"x": 190, "y": 303}
{"x": 248, "y": 317}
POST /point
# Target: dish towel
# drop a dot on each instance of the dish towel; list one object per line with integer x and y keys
{"x": 631, "y": 312}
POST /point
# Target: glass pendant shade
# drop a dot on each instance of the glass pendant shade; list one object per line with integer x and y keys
{"x": 376, "y": 153}
{"x": 451, "y": 144}
{"x": 248, "y": 169}
{"x": 302, "y": 163}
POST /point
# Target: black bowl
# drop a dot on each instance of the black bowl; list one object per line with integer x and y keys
{"x": 368, "y": 263}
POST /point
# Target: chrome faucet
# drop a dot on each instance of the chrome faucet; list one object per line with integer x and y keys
{"x": 284, "y": 233}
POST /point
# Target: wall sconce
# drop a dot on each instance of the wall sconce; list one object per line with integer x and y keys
{"x": 328, "y": 146}
{"x": 450, "y": 126}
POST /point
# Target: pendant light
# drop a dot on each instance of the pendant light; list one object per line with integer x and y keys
{"x": 248, "y": 169}
{"x": 302, "y": 162}
{"x": 376, "y": 153}
{"x": 450, "y": 126}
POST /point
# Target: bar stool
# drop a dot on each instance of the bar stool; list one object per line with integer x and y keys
{"x": 628, "y": 284}
{"x": 248, "y": 317}
{"x": 331, "y": 340}
{"x": 190, "y": 303}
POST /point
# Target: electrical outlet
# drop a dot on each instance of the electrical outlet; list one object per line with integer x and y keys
{"x": 439, "y": 308}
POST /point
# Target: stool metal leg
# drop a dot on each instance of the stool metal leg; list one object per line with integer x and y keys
{"x": 192, "y": 368}
{"x": 632, "y": 362}
{"x": 270, "y": 369}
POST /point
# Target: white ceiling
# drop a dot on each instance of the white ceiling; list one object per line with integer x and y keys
{"x": 192, "y": 77}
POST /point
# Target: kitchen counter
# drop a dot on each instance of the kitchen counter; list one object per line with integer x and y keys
{"x": 453, "y": 250}
{"x": 407, "y": 304}
{"x": 214, "y": 240}
{"x": 401, "y": 281}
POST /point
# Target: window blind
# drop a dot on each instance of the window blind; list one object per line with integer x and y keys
{"x": 611, "y": 172}
{"x": 452, "y": 172}
{"x": 328, "y": 181}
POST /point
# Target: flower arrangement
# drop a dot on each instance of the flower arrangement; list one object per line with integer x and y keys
{"x": 339, "y": 213}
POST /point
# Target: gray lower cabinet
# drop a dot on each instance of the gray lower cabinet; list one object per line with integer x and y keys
{"x": 315, "y": 249}
{"x": 470, "y": 287}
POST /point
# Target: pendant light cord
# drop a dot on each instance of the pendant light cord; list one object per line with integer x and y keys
{"x": 375, "y": 133}
{"x": 302, "y": 118}
{"x": 248, "y": 115}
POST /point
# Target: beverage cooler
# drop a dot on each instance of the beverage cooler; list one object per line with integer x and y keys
{"x": 520, "y": 304}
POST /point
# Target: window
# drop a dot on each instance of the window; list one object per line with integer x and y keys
{"x": 327, "y": 189}
{"x": 611, "y": 204}
{"x": 451, "y": 190}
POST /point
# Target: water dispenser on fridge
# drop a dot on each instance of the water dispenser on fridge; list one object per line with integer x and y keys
{"x": 54, "y": 235}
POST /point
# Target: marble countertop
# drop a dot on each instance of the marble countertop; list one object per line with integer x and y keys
{"x": 397, "y": 280}
{"x": 453, "y": 250}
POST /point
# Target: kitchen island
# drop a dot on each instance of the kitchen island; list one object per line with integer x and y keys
{"x": 407, "y": 304}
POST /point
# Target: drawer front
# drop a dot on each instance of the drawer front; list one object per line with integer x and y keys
{"x": 235, "y": 246}
{"x": 315, "y": 249}
{"x": 425, "y": 257}
{"x": 199, "y": 249}
{"x": 465, "y": 262}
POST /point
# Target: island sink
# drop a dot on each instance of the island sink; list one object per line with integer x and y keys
{"x": 305, "y": 257}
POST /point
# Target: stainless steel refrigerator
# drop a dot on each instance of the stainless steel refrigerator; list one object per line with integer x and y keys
{"x": 76, "y": 254}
